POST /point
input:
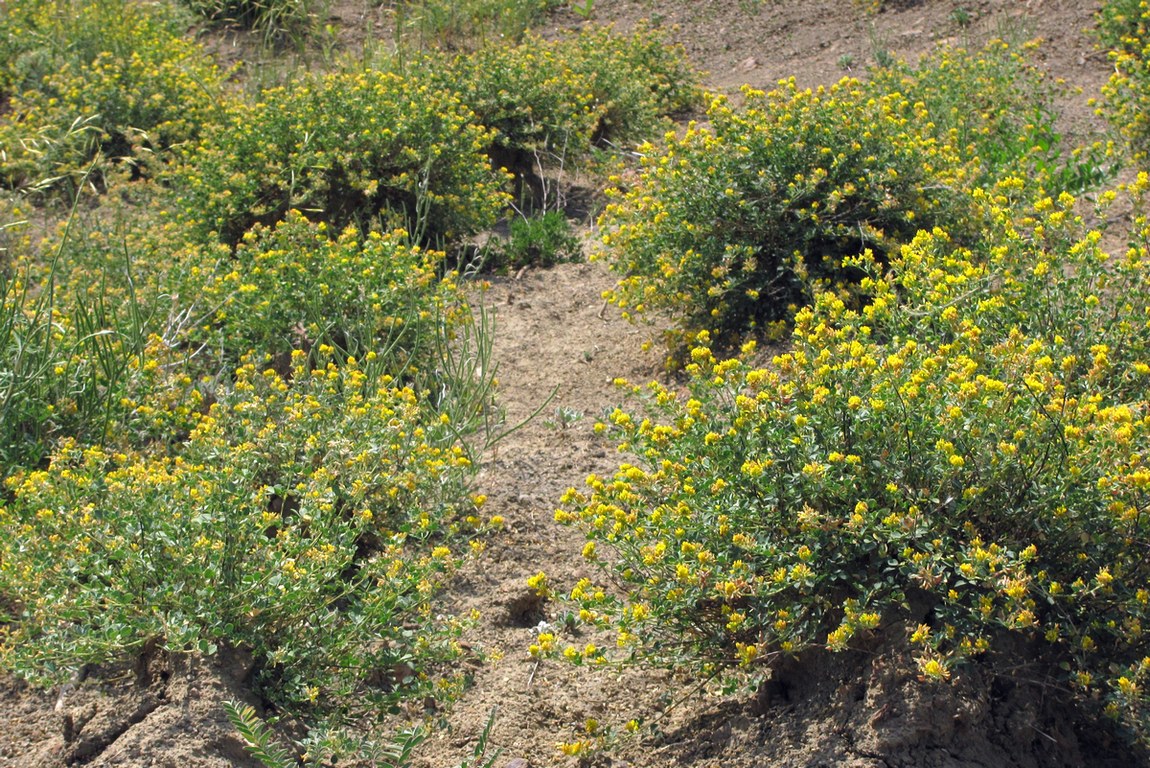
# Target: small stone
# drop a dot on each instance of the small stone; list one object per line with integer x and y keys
{"x": 518, "y": 762}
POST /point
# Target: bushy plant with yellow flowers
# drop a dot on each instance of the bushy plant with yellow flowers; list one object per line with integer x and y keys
{"x": 997, "y": 108}
{"x": 308, "y": 518}
{"x": 734, "y": 224}
{"x": 1124, "y": 30}
{"x": 88, "y": 77}
{"x": 297, "y": 285}
{"x": 552, "y": 102}
{"x": 962, "y": 458}
{"x": 345, "y": 148}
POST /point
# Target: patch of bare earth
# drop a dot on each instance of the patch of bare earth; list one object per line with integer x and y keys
{"x": 861, "y": 709}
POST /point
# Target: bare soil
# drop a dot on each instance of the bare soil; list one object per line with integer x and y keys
{"x": 554, "y": 334}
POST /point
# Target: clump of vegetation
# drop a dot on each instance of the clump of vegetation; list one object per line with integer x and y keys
{"x": 276, "y": 21}
{"x": 346, "y": 148}
{"x": 96, "y": 79}
{"x": 962, "y": 457}
{"x": 1124, "y": 29}
{"x": 732, "y": 226}
{"x": 542, "y": 241}
{"x": 316, "y": 545}
{"x": 551, "y": 103}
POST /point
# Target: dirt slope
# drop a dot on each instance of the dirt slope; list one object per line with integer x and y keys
{"x": 554, "y": 334}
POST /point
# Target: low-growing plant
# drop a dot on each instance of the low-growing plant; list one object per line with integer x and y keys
{"x": 276, "y": 21}
{"x": 543, "y": 240}
{"x": 962, "y": 457}
{"x": 346, "y": 148}
{"x": 731, "y": 226}
{"x": 323, "y": 749}
{"x": 308, "y": 518}
{"x": 297, "y": 285}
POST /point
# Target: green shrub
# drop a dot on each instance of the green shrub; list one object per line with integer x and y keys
{"x": 344, "y": 149}
{"x": 1124, "y": 29}
{"x": 97, "y": 75}
{"x": 541, "y": 241}
{"x": 308, "y": 520}
{"x": 963, "y": 457}
{"x": 731, "y": 226}
{"x": 552, "y": 102}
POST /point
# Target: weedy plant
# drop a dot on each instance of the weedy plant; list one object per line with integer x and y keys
{"x": 264, "y": 745}
{"x": 542, "y": 240}
{"x": 960, "y": 457}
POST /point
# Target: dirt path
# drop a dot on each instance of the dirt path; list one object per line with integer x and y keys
{"x": 553, "y": 333}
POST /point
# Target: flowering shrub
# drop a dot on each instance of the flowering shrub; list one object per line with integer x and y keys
{"x": 1124, "y": 29}
{"x": 963, "y": 457}
{"x": 297, "y": 286}
{"x": 118, "y": 77}
{"x": 551, "y": 102}
{"x": 307, "y": 519}
{"x": 346, "y": 148}
{"x": 997, "y": 108}
{"x": 732, "y": 225}
{"x": 637, "y": 79}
